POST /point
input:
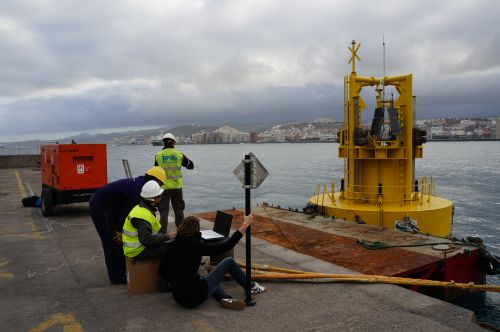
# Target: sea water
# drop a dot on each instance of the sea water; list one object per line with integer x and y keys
{"x": 467, "y": 173}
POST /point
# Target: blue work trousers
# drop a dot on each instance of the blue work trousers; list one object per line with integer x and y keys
{"x": 215, "y": 277}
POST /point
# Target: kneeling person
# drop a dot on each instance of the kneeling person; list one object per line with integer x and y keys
{"x": 141, "y": 235}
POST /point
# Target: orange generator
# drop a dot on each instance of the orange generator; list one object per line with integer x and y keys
{"x": 71, "y": 173}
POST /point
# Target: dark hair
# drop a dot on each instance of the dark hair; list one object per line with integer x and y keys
{"x": 190, "y": 226}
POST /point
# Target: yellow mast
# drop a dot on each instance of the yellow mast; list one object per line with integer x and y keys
{"x": 379, "y": 185}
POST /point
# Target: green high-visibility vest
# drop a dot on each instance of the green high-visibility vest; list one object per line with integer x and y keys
{"x": 130, "y": 236}
{"x": 170, "y": 160}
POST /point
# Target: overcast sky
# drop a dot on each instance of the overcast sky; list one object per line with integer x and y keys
{"x": 97, "y": 66}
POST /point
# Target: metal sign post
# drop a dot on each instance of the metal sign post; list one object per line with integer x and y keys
{"x": 248, "y": 236}
{"x": 251, "y": 174}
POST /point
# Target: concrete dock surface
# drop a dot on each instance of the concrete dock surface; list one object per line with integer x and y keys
{"x": 53, "y": 278}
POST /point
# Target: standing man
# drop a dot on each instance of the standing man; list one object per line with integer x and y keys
{"x": 171, "y": 160}
{"x": 109, "y": 206}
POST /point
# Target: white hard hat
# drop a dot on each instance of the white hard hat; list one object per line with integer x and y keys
{"x": 168, "y": 136}
{"x": 151, "y": 189}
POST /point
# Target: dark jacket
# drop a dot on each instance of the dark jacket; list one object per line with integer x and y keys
{"x": 117, "y": 199}
{"x": 184, "y": 258}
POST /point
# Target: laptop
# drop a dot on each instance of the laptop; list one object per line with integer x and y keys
{"x": 221, "y": 229}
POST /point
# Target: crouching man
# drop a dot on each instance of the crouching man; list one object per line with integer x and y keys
{"x": 141, "y": 235}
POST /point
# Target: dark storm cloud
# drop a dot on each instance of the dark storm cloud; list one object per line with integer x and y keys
{"x": 83, "y": 66}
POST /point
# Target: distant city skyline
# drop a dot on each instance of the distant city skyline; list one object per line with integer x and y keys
{"x": 486, "y": 126}
{"x": 322, "y": 130}
{"x": 103, "y": 66}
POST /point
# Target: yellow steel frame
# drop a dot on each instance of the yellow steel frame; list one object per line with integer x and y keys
{"x": 379, "y": 174}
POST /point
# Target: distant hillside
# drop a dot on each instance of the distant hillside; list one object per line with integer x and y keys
{"x": 189, "y": 130}
{"x": 110, "y": 137}
{"x": 185, "y": 131}
{"x": 249, "y": 128}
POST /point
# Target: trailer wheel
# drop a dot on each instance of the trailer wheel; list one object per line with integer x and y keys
{"x": 47, "y": 203}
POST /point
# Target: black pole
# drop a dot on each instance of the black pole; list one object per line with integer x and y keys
{"x": 248, "y": 182}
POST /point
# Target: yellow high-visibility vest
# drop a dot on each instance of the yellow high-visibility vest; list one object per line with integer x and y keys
{"x": 130, "y": 236}
{"x": 170, "y": 160}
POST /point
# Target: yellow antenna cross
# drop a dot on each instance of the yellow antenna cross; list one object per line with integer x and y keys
{"x": 354, "y": 51}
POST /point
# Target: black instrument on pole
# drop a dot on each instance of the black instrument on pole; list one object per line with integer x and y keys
{"x": 251, "y": 174}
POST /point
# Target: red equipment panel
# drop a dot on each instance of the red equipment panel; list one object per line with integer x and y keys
{"x": 74, "y": 166}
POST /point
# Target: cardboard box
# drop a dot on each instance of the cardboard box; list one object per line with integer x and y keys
{"x": 142, "y": 275}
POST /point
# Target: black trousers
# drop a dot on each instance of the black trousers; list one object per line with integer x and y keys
{"x": 174, "y": 195}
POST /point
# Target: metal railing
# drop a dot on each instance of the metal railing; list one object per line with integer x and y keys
{"x": 22, "y": 148}
{"x": 369, "y": 194}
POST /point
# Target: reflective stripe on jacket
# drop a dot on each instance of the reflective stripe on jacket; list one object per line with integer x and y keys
{"x": 170, "y": 160}
{"x": 130, "y": 237}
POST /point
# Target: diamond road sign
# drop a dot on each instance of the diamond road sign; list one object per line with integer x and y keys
{"x": 259, "y": 172}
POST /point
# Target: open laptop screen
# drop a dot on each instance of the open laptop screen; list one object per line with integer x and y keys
{"x": 221, "y": 229}
{"x": 223, "y": 223}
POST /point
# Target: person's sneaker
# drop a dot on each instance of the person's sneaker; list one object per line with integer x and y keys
{"x": 257, "y": 289}
{"x": 233, "y": 304}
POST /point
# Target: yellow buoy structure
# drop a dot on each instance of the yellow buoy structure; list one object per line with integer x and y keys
{"x": 379, "y": 185}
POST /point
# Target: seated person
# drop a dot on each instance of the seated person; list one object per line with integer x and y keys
{"x": 141, "y": 235}
{"x": 184, "y": 258}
